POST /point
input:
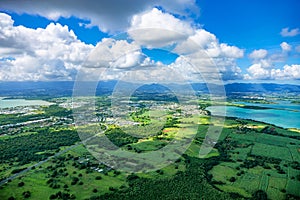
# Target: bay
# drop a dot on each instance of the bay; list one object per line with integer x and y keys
{"x": 10, "y": 103}
{"x": 283, "y": 114}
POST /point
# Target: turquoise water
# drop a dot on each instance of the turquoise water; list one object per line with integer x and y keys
{"x": 10, "y": 103}
{"x": 283, "y": 114}
{"x": 278, "y": 105}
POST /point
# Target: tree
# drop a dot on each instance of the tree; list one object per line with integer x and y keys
{"x": 132, "y": 177}
{"x": 116, "y": 172}
{"x": 232, "y": 179}
{"x": 74, "y": 180}
{"x": 95, "y": 190}
{"x": 26, "y": 194}
{"x": 21, "y": 184}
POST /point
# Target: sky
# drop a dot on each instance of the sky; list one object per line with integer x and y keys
{"x": 244, "y": 41}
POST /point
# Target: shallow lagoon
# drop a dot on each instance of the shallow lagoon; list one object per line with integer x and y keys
{"x": 10, "y": 103}
{"x": 283, "y": 114}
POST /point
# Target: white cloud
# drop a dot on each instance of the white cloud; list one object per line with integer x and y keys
{"x": 199, "y": 46}
{"x": 157, "y": 29}
{"x": 203, "y": 39}
{"x": 260, "y": 59}
{"x": 114, "y": 59}
{"x": 57, "y": 46}
{"x": 285, "y": 47}
{"x": 110, "y": 51}
{"x": 5, "y": 20}
{"x": 258, "y": 54}
{"x": 265, "y": 65}
{"x": 289, "y": 72}
{"x": 257, "y": 71}
{"x": 231, "y": 51}
{"x": 285, "y": 32}
{"x": 53, "y": 53}
{"x": 213, "y": 59}
{"x": 132, "y": 60}
{"x": 180, "y": 71}
{"x": 109, "y": 16}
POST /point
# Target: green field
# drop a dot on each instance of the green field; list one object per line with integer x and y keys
{"x": 243, "y": 160}
{"x": 271, "y": 151}
{"x": 260, "y": 161}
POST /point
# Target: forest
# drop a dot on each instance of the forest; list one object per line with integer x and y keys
{"x": 24, "y": 149}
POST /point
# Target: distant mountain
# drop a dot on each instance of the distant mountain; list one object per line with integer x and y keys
{"x": 65, "y": 88}
{"x": 48, "y": 89}
{"x": 261, "y": 88}
{"x": 36, "y": 89}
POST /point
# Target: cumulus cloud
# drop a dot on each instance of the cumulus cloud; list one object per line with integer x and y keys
{"x": 208, "y": 42}
{"x": 211, "y": 59}
{"x": 215, "y": 60}
{"x": 134, "y": 60}
{"x": 258, "y": 54}
{"x": 117, "y": 59}
{"x": 108, "y": 51}
{"x": 260, "y": 63}
{"x": 285, "y": 32}
{"x": 109, "y": 16}
{"x": 231, "y": 51}
{"x": 258, "y": 71}
{"x": 289, "y": 72}
{"x": 285, "y": 47}
{"x": 264, "y": 65}
{"x": 157, "y": 29}
{"x": 201, "y": 39}
{"x": 53, "y": 53}
{"x": 268, "y": 65}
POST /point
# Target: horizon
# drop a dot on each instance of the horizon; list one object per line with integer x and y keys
{"x": 296, "y": 83}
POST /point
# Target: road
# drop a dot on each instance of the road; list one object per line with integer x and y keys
{"x": 38, "y": 164}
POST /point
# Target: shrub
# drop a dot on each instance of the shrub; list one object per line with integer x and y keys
{"x": 21, "y": 184}
{"x": 232, "y": 179}
{"x": 26, "y": 194}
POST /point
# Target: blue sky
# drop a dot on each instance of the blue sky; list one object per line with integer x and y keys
{"x": 91, "y": 35}
{"x": 254, "y": 40}
{"x": 250, "y": 24}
